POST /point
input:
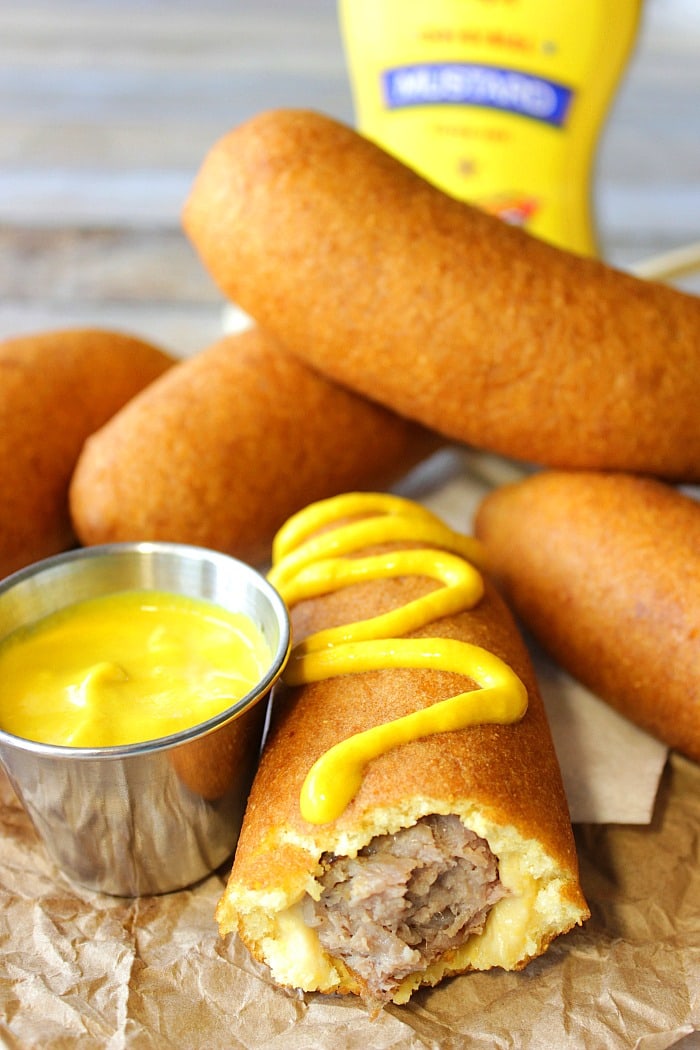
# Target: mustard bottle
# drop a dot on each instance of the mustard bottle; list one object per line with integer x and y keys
{"x": 498, "y": 102}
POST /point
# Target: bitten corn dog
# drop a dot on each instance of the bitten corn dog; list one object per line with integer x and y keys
{"x": 442, "y": 313}
{"x": 55, "y": 389}
{"x": 228, "y": 445}
{"x": 604, "y": 569}
{"x": 407, "y": 821}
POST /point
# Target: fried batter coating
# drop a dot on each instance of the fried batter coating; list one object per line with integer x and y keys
{"x": 228, "y": 445}
{"x": 55, "y": 389}
{"x": 604, "y": 570}
{"x": 441, "y": 312}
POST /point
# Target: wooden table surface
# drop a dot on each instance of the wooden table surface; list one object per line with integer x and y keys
{"x": 107, "y": 109}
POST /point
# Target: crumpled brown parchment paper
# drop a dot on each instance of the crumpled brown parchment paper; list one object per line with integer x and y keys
{"x": 78, "y": 969}
{"x": 81, "y": 969}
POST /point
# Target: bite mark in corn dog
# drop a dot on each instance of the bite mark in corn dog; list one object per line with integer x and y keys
{"x": 453, "y": 849}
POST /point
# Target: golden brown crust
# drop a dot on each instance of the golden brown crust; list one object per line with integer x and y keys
{"x": 503, "y": 781}
{"x": 511, "y": 771}
{"x": 604, "y": 570}
{"x": 56, "y": 388}
{"x": 229, "y": 444}
{"x": 441, "y": 312}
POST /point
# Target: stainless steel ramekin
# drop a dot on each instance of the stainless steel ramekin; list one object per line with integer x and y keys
{"x": 155, "y": 816}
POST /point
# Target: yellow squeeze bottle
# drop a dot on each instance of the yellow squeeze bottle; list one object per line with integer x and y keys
{"x": 498, "y": 102}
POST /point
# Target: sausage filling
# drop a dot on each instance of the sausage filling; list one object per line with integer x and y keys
{"x": 405, "y": 900}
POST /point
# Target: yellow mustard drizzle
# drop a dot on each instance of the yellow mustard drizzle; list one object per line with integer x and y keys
{"x": 307, "y": 563}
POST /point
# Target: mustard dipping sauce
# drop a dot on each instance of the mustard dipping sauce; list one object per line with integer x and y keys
{"x": 125, "y": 668}
{"x": 307, "y": 563}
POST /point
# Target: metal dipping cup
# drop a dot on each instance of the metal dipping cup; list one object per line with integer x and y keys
{"x": 157, "y": 816}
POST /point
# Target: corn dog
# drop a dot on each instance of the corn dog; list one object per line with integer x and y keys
{"x": 604, "y": 569}
{"x": 55, "y": 389}
{"x": 441, "y": 312}
{"x": 230, "y": 443}
{"x": 397, "y": 833}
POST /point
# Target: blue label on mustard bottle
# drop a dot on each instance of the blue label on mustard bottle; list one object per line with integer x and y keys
{"x": 498, "y": 102}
